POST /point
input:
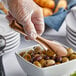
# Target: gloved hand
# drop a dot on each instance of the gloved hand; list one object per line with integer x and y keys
{"x": 28, "y": 14}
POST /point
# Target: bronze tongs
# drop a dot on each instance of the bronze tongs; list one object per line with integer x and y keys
{"x": 47, "y": 44}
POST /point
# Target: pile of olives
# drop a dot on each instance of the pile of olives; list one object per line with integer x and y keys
{"x": 45, "y": 58}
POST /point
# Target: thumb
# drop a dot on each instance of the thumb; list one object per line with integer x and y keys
{"x": 30, "y": 29}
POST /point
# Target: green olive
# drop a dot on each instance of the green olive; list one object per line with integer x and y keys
{"x": 22, "y": 53}
{"x": 70, "y": 51}
{"x": 50, "y": 62}
{"x": 72, "y": 56}
{"x": 50, "y": 53}
{"x": 37, "y": 50}
{"x": 37, "y": 64}
{"x": 65, "y": 59}
{"x": 43, "y": 62}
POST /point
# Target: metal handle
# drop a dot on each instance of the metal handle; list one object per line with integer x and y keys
{"x": 2, "y": 72}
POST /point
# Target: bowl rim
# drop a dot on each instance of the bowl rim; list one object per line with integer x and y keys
{"x": 71, "y": 36}
{"x": 70, "y": 42}
{"x": 17, "y": 54}
{"x": 69, "y": 30}
{"x": 72, "y": 28}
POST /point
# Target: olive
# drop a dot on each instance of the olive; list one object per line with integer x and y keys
{"x": 53, "y": 57}
{"x": 58, "y": 63}
{"x": 46, "y": 57}
{"x": 37, "y": 58}
{"x": 49, "y": 53}
{"x": 37, "y": 63}
{"x": 70, "y": 51}
{"x": 31, "y": 60}
{"x": 27, "y": 57}
{"x": 58, "y": 59}
{"x": 72, "y": 56}
{"x": 44, "y": 51}
{"x": 30, "y": 52}
{"x": 65, "y": 59}
{"x": 37, "y": 50}
{"x": 50, "y": 62}
{"x": 22, "y": 53}
{"x": 43, "y": 62}
{"x": 36, "y": 55}
{"x": 43, "y": 55}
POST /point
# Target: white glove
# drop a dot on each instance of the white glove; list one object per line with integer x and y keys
{"x": 30, "y": 15}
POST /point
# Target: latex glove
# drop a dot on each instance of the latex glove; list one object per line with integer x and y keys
{"x": 28, "y": 14}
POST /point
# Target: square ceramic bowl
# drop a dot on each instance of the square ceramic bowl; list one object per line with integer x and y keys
{"x": 56, "y": 70}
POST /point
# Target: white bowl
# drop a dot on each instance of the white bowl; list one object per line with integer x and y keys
{"x": 11, "y": 36}
{"x": 68, "y": 34}
{"x": 12, "y": 48}
{"x": 71, "y": 31}
{"x": 71, "y": 42}
{"x": 71, "y": 21}
{"x": 73, "y": 9}
{"x": 12, "y": 45}
{"x": 12, "y": 39}
{"x": 13, "y": 42}
{"x": 56, "y": 70}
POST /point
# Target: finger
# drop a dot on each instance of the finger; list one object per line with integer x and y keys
{"x": 30, "y": 29}
{"x": 38, "y": 21}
